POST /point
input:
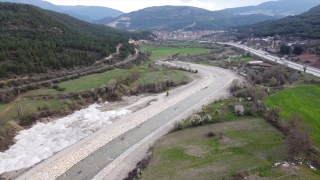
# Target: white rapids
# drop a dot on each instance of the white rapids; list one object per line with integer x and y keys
{"x": 43, "y": 140}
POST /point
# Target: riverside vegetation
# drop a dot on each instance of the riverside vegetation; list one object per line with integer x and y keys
{"x": 58, "y": 98}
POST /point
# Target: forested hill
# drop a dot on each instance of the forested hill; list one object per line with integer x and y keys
{"x": 33, "y": 40}
{"x": 305, "y": 25}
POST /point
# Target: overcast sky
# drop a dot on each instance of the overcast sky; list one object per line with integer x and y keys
{"x": 133, "y": 5}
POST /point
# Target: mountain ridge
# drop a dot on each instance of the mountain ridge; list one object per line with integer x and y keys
{"x": 175, "y": 17}
{"x": 162, "y": 18}
{"x": 305, "y": 25}
{"x": 280, "y": 8}
{"x": 86, "y": 13}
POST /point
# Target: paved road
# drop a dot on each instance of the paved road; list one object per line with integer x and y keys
{"x": 310, "y": 70}
{"x": 90, "y": 166}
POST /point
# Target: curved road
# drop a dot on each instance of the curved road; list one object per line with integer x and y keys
{"x": 118, "y": 156}
{"x": 310, "y": 70}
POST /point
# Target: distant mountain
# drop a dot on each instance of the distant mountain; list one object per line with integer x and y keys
{"x": 305, "y": 25}
{"x": 86, "y": 13}
{"x": 180, "y": 17}
{"x": 33, "y": 40}
{"x": 191, "y": 18}
{"x": 217, "y": 23}
{"x": 279, "y": 8}
{"x": 105, "y": 20}
{"x": 154, "y": 17}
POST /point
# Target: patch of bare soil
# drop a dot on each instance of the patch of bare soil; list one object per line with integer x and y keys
{"x": 314, "y": 60}
{"x": 195, "y": 151}
{"x": 255, "y": 177}
{"x": 16, "y": 126}
{"x": 6, "y": 139}
{"x": 196, "y": 174}
{"x": 292, "y": 170}
{"x": 230, "y": 143}
{"x": 308, "y": 57}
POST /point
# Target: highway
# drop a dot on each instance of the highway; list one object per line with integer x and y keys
{"x": 108, "y": 153}
{"x": 310, "y": 70}
{"x": 112, "y": 157}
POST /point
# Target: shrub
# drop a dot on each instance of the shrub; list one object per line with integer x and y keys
{"x": 103, "y": 88}
{"x": 206, "y": 118}
{"x": 61, "y": 89}
{"x": 273, "y": 114}
{"x": 235, "y": 85}
{"x": 238, "y": 176}
{"x": 211, "y": 134}
{"x": 55, "y": 86}
{"x": 178, "y": 126}
{"x": 239, "y": 110}
{"x": 196, "y": 120}
{"x": 46, "y": 84}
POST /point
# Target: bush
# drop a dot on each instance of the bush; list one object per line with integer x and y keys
{"x": 46, "y": 84}
{"x": 238, "y": 176}
{"x": 55, "y": 86}
{"x": 235, "y": 85}
{"x": 178, "y": 126}
{"x": 196, "y": 120}
{"x": 211, "y": 134}
{"x": 206, "y": 118}
{"x": 239, "y": 110}
{"x": 61, "y": 89}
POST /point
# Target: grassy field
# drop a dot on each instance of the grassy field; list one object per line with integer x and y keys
{"x": 242, "y": 59}
{"x": 81, "y": 84}
{"x": 9, "y": 111}
{"x": 250, "y": 146}
{"x": 163, "y": 52}
{"x": 303, "y": 99}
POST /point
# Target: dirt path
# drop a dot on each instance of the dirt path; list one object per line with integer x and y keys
{"x": 6, "y": 110}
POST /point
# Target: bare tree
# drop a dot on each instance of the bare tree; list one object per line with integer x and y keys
{"x": 20, "y": 111}
{"x": 112, "y": 85}
{"x": 305, "y": 68}
{"x": 298, "y": 142}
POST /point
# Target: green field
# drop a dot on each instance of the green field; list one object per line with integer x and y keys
{"x": 78, "y": 85}
{"x": 163, "y": 52}
{"x": 28, "y": 107}
{"x": 303, "y": 99}
{"x": 251, "y": 146}
{"x": 242, "y": 59}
